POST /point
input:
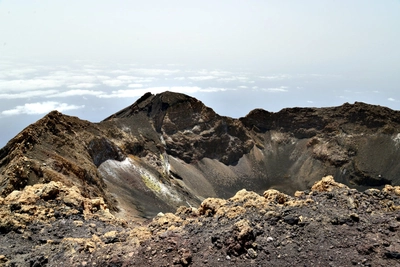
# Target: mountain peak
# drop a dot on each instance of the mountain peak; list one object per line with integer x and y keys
{"x": 309, "y": 122}
{"x": 176, "y": 138}
{"x": 170, "y": 150}
{"x": 153, "y": 105}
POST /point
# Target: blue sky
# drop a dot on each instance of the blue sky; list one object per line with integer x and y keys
{"x": 92, "y": 58}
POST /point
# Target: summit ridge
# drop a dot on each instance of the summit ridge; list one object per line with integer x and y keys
{"x": 175, "y": 142}
{"x": 168, "y": 169}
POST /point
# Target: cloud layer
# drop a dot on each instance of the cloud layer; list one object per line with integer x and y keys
{"x": 39, "y": 108}
{"x": 37, "y": 89}
{"x": 44, "y": 82}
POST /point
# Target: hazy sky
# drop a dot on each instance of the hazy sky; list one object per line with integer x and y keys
{"x": 92, "y": 58}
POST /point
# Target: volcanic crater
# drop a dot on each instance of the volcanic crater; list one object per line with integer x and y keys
{"x": 167, "y": 181}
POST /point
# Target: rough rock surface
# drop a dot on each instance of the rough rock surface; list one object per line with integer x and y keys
{"x": 169, "y": 150}
{"x": 329, "y": 225}
{"x": 76, "y": 193}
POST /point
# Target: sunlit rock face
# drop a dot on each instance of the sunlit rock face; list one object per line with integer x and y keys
{"x": 329, "y": 224}
{"x": 169, "y": 150}
{"x": 140, "y": 192}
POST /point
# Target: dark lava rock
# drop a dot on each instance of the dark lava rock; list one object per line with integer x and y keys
{"x": 61, "y": 177}
{"x": 173, "y": 143}
{"x": 291, "y": 219}
{"x": 237, "y": 233}
{"x": 101, "y": 149}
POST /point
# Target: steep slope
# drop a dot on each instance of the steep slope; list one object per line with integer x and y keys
{"x": 217, "y": 156}
{"x": 358, "y": 143}
{"x": 169, "y": 150}
{"x": 55, "y": 148}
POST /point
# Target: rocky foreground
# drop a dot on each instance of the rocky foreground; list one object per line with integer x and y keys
{"x": 77, "y": 193}
{"x": 330, "y": 225}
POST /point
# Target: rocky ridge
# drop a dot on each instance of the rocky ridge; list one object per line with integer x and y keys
{"x": 83, "y": 194}
{"x": 169, "y": 150}
{"x": 329, "y": 225}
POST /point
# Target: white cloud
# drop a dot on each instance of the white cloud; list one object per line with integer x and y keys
{"x": 154, "y": 72}
{"x": 92, "y": 70}
{"x": 201, "y": 78}
{"x": 20, "y": 85}
{"x": 275, "y": 77}
{"x": 126, "y": 78}
{"x": 120, "y": 71}
{"x": 135, "y": 85}
{"x": 219, "y": 73}
{"x": 19, "y": 73}
{"x": 228, "y": 79}
{"x": 114, "y": 82}
{"x": 157, "y": 90}
{"x": 174, "y": 65}
{"x": 79, "y": 78}
{"x": 205, "y": 72}
{"x": 39, "y": 108}
{"x": 146, "y": 71}
{"x": 133, "y": 92}
{"x": 215, "y": 89}
{"x": 276, "y": 90}
{"x": 145, "y": 80}
{"x": 179, "y": 78}
{"x": 392, "y": 99}
{"x": 70, "y": 77}
{"x": 28, "y": 94}
{"x": 102, "y": 77}
{"x": 53, "y": 79}
{"x": 233, "y": 79}
{"x": 77, "y": 92}
{"x": 82, "y": 85}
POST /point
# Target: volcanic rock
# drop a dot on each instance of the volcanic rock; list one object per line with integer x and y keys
{"x": 322, "y": 232}
{"x": 85, "y": 193}
{"x": 169, "y": 150}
